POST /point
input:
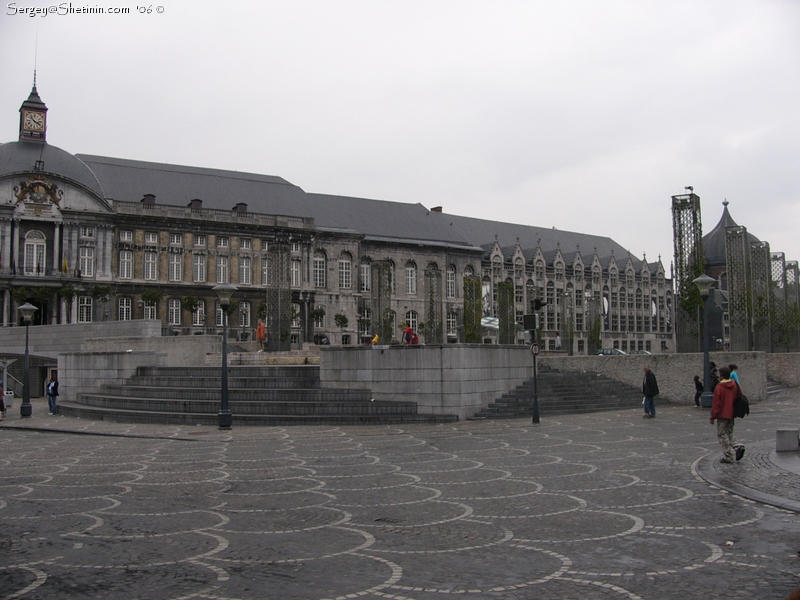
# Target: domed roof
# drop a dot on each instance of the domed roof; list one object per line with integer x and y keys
{"x": 21, "y": 157}
{"x": 714, "y": 241}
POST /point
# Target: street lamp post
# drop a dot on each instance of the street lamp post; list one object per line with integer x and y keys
{"x": 25, "y": 410}
{"x": 704, "y": 283}
{"x": 224, "y": 291}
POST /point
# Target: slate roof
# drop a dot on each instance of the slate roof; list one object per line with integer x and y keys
{"x": 21, "y": 156}
{"x": 380, "y": 220}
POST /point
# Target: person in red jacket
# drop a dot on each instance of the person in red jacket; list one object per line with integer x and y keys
{"x": 722, "y": 410}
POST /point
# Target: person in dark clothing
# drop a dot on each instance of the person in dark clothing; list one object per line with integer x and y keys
{"x": 722, "y": 411}
{"x": 712, "y": 367}
{"x": 698, "y": 390}
{"x": 52, "y": 394}
{"x": 650, "y": 391}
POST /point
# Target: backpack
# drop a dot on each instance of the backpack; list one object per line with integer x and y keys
{"x": 741, "y": 405}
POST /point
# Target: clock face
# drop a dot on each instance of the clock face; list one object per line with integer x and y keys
{"x": 33, "y": 121}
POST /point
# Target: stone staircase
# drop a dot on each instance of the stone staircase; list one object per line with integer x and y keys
{"x": 564, "y": 393}
{"x": 257, "y": 395}
{"x": 774, "y": 387}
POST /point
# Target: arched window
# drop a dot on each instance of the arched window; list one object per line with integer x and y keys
{"x": 345, "y": 271}
{"x": 411, "y": 279}
{"x": 320, "y": 261}
{"x": 35, "y": 253}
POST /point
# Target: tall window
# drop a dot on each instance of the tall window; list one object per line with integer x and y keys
{"x": 35, "y": 253}
{"x": 151, "y": 266}
{"x": 319, "y": 319}
{"x": 174, "y": 311}
{"x": 411, "y": 279}
{"x": 220, "y": 314}
{"x": 450, "y": 282}
{"x": 319, "y": 269}
{"x": 264, "y": 271}
{"x": 295, "y": 272}
{"x": 86, "y": 263}
{"x": 125, "y": 264}
{"x": 84, "y": 309}
{"x": 366, "y": 277}
{"x": 150, "y": 311}
{"x": 175, "y": 267}
{"x": 452, "y": 322}
{"x": 245, "y": 270}
{"x": 295, "y": 315}
{"x": 244, "y": 314}
{"x": 199, "y": 268}
{"x": 124, "y": 309}
{"x": 345, "y": 271}
{"x": 411, "y": 319}
{"x": 222, "y": 269}
{"x": 199, "y": 314}
{"x": 366, "y": 322}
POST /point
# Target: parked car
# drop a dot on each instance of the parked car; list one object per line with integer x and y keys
{"x": 610, "y": 351}
{"x": 639, "y": 352}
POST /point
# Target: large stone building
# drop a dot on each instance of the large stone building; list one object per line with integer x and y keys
{"x": 90, "y": 238}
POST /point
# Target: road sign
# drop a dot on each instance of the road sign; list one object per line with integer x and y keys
{"x": 535, "y": 349}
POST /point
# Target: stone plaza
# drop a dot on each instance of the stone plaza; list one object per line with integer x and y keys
{"x": 596, "y": 506}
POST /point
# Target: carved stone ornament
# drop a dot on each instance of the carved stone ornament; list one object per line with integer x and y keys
{"x": 38, "y": 190}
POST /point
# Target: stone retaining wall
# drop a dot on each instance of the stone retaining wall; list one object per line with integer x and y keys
{"x": 784, "y": 367}
{"x": 462, "y": 379}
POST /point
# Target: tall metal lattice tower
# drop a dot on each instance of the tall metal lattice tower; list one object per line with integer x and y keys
{"x": 737, "y": 258}
{"x": 793, "y": 305}
{"x": 473, "y": 309}
{"x": 761, "y": 303}
{"x": 687, "y": 232}
{"x": 781, "y": 335}
{"x": 434, "y": 325}
{"x": 382, "y": 285}
{"x": 278, "y": 322}
{"x": 505, "y": 313}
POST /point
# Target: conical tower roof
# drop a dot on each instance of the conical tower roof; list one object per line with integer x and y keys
{"x": 714, "y": 241}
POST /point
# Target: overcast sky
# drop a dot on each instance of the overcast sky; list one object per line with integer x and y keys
{"x": 583, "y": 115}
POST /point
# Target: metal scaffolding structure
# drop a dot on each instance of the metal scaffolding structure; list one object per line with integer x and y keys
{"x": 687, "y": 230}
{"x": 279, "y": 309}
{"x": 760, "y": 296}
{"x": 434, "y": 324}
{"x": 382, "y": 286}
{"x": 737, "y": 259}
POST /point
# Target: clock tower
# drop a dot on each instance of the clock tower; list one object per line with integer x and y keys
{"x": 33, "y": 117}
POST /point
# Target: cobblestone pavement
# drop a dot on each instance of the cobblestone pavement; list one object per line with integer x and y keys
{"x": 601, "y": 506}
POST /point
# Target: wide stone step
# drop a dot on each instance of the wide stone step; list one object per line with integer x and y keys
{"x": 295, "y": 371}
{"x": 244, "y": 419}
{"x": 240, "y": 407}
{"x": 211, "y": 381}
{"x": 234, "y": 393}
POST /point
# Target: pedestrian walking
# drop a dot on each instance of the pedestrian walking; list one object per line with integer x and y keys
{"x": 52, "y": 394}
{"x": 261, "y": 335}
{"x": 734, "y": 373}
{"x": 698, "y": 390}
{"x": 722, "y": 410}
{"x": 650, "y": 391}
